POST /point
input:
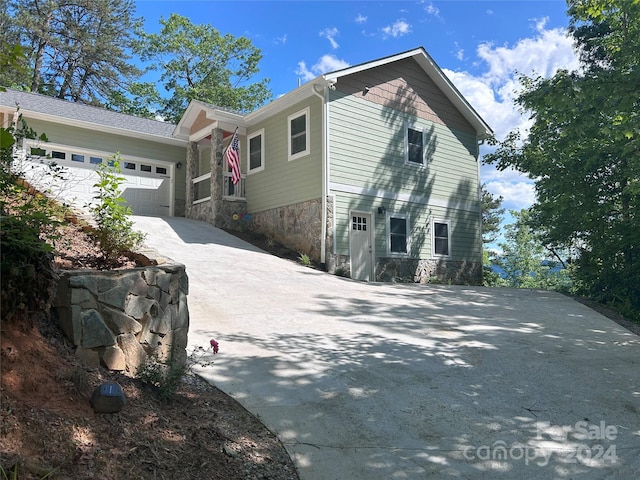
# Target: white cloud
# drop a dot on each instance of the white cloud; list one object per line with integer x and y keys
{"x": 280, "y": 40}
{"x": 431, "y": 9}
{"x": 330, "y": 34}
{"x": 361, "y": 19}
{"x": 517, "y": 195}
{"x": 491, "y": 93}
{"x": 399, "y": 28}
{"x": 326, "y": 63}
{"x": 459, "y": 52}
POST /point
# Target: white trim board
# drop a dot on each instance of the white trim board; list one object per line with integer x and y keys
{"x": 403, "y": 197}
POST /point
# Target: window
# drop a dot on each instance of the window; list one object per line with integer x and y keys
{"x": 398, "y": 234}
{"x": 77, "y": 158}
{"x": 145, "y": 168}
{"x": 256, "y": 151}
{"x": 95, "y": 160}
{"x": 161, "y": 170}
{"x": 58, "y": 155}
{"x": 441, "y": 238}
{"x": 129, "y": 166}
{"x": 298, "y": 134}
{"x": 414, "y": 146}
{"x": 359, "y": 223}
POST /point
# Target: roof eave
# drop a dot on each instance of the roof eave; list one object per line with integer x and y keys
{"x": 169, "y": 140}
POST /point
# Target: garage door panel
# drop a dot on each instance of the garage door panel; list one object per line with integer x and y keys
{"x": 146, "y": 192}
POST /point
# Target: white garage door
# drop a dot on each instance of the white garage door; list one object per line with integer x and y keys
{"x": 147, "y": 185}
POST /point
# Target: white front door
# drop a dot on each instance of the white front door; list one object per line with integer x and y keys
{"x": 361, "y": 246}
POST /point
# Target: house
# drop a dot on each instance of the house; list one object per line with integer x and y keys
{"x": 371, "y": 170}
{"x": 80, "y": 137}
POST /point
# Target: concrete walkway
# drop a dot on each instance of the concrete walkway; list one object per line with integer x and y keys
{"x": 382, "y": 381}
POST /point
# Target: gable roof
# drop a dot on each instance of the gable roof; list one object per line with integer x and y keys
{"x": 47, "y": 108}
{"x": 431, "y": 68}
{"x": 226, "y": 118}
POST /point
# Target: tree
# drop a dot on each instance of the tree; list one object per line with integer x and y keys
{"x": 583, "y": 152}
{"x": 491, "y": 215}
{"x": 197, "y": 62}
{"x": 77, "y": 49}
{"x": 523, "y": 257}
{"x": 491, "y": 220}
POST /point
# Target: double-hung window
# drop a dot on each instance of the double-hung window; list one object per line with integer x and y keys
{"x": 298, "y": 125}
{"x": 441, "y": 238}
{"x": 415, "y": 143}
{"x": 398, "y": 240}
{"x": 255, "y": 151}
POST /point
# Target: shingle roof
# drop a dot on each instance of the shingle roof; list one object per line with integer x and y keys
{"x": 33, "y": 102}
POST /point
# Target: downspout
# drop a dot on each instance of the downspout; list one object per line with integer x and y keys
{"x": 323, "y": 94}
{"x": 480, "y": 142}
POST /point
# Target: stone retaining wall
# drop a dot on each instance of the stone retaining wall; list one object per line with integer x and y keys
{"x": 119, "y": 318}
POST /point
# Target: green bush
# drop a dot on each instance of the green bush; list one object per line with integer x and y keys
{"x": 304, "y": 260}
{"x": 114, "y": 231}
{"x": 164, "y": 376}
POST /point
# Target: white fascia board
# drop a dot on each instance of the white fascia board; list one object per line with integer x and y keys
{"x": 102, "y": 128}
{"x": 288, "y": 100}
{"x": 375, "y": 63}
{"x": 453, "y": 94}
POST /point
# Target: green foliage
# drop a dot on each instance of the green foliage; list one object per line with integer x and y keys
{"x": 583, "y": 152}
{"x": 491, "y": 215}
{"x": 166, "y": 377}
{"x": 524, "y": 258}
{"x": 489, "y": 277}
{"x": 26, "y": 216}
{"x": 197, "y": 62}
{"x": 14, "y": 473}
{"x": 115, "y": 229}
{"x": 76, "y": 50}
{"x": 304, "y": 260}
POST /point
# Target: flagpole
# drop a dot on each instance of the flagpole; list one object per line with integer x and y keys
{"x": 225, "y": 150}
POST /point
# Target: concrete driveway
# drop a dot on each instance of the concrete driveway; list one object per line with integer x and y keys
{"x": 383, "y": 381}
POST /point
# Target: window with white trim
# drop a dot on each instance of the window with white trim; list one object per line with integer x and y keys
{"x": 255, "y": 151}
{"x": 298, "y": 127}
{"x": 398, "y": 240}
{"x": 441, "y": 238}
{"x": 415, "y": 141}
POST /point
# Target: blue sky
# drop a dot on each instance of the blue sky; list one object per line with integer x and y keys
{"x": 479, "y": 44}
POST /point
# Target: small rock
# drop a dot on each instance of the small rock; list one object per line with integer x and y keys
{"x": 114, "y": 359}
{"x": 108, "y": 398}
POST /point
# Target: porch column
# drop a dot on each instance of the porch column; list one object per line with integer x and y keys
{"x": 191, "y": 173}
{"x": 217, "y": 169}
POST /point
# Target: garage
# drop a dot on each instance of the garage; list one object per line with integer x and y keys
{"x": 147, "y": 186}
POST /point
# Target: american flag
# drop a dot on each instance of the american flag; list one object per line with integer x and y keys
{"x": 233, "y": 158}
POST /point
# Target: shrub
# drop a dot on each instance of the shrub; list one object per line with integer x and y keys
{"x": 304, "y": 260}
{"x": 114, "y": 231}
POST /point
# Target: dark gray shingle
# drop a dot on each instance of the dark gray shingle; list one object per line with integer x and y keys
{"x": 84, "y": 113}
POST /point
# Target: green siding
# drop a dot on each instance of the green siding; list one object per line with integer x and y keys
{"x": 366, "y": 144}
{"x": 284, "y": 182}
{"x": 111, "y": 143}
{"x": 465, "y": 226}
{"x": 367, "y": 150}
